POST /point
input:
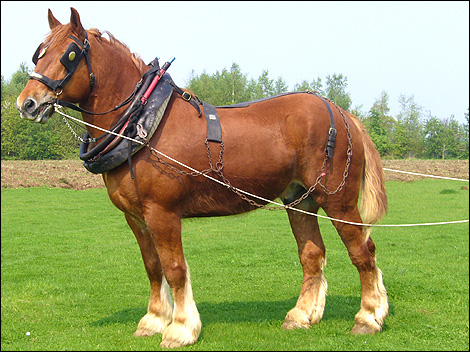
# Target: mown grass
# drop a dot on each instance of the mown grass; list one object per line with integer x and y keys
{"x": 72, "y": 276}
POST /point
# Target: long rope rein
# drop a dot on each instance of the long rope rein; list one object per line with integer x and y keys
{"x": 417, "y": 174}
{"x": 196, "y": 172}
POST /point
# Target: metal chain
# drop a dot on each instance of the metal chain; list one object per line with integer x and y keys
{"x": 220, "y": 165}
{"x": 173, "y": 168}
{"x": 72, "y": 130}
{"x": 348, "y": 152}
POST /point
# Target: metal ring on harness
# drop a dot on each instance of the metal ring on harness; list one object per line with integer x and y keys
{"x": 186, "y": 96}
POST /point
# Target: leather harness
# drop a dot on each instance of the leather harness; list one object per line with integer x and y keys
{"x": 140, "y": 121}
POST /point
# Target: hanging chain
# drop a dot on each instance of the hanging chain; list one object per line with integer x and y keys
{"x": 220, "y": 165}
{"x": 348, "y": 152}
{"x": 73, "y": 132}
{"x": 173, "y": 168}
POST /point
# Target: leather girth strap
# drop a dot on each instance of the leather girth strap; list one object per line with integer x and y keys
{"x": 330, "y": 143}
{"x": 214, "y": 131}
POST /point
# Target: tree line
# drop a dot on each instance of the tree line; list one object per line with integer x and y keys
{"x": 411, "y": 133}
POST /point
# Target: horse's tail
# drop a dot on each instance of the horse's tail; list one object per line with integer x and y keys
{"x": 374, "y": 198}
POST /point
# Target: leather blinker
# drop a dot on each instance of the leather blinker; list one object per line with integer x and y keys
{"x": 70, "y": 58}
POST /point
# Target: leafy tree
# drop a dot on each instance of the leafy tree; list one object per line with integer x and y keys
{"x": 221, "y": 88}
{"x": 400, "y": 141}
{"x": 377, "y": 132}
{"x": 444, "y": 138}
{"x": 230, "y": 87}
{"x": 433, "y": 131}
{"x": 280, "y": 86}
{"x": 336, "y": 90}
{"x": 302, "y": 86}
{"x": 380, "y": 125}
{"x": 265, "y": 86}
{"x": 464, "y": 142}
{"x": 408, "y": 130}
{"x": 314, "y": 86}
{"x": 203, "y": 86}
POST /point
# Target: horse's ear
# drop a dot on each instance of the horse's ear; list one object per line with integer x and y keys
{"x": 53, "y": 22}
{"x": 76, "y": 24}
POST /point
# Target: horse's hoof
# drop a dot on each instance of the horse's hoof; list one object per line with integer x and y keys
{"x": 151, "y": 324}
{"x": 364, "y": 329}
{"x": 179, "y": 335}
{"x": 168, "y": 343}
{"x": 290, "y": 324}
{"x": 144, "y": 333}
{"x": 296, "y": 319}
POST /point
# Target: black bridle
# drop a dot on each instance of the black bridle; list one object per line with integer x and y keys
{"x": 69, "y": 59}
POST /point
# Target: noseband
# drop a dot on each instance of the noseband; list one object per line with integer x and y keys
{"x": 69, "y": 59}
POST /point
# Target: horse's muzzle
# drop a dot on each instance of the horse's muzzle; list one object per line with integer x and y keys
{"x": 32, "y": 110}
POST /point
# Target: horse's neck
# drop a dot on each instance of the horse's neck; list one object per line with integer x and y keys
{"x": 116, "y": 77}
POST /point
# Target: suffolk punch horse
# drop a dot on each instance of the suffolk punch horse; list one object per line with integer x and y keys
{"x": 297, "y": 146}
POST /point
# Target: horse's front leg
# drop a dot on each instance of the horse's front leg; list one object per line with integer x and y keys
{"x": 160, "y": 310}
{"x": 165, "y": 228}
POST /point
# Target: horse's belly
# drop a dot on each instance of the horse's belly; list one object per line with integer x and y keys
{"x": 210, "y": 198}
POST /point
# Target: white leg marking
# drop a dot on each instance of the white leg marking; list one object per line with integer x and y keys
{"x": 371, "y": 321}
{"x": 152, "y": 323}
{"x": 186, "y": 325}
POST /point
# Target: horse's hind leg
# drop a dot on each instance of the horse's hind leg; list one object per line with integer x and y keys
{"x": 159, "y": 311}
{"x": 311, "y": 302}
{"x": 361, "y": 250}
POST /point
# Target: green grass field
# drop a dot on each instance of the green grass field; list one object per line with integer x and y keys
{"x": 73, "y": 277}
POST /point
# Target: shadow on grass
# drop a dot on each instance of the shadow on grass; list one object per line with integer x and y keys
{"x": 337, "y": 308}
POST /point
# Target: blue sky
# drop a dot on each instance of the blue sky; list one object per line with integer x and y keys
{"x": 412, "y": 48}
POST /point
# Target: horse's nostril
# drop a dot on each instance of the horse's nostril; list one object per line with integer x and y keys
{"x": 29, "y": 105}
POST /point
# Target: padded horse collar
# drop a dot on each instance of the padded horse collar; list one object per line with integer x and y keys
{"x": 139, "y": 122}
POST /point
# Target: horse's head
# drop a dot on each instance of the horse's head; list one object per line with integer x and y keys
{"x": 62, "y": 68}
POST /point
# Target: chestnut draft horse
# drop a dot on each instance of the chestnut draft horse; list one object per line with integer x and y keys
{"x": 272, "y": 148}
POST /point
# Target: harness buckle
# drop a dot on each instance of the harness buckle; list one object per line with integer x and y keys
{"x": 332, "y": 132}
{"x": 186, "y": 96}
